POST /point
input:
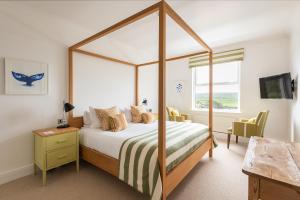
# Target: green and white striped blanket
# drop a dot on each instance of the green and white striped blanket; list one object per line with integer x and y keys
{"x": 138, "y": 155}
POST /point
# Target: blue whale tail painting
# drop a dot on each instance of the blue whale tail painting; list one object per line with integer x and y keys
{"x": 28, "y": 80}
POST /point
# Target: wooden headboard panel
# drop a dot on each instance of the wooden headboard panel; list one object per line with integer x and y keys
{"x": 76, "y": 122}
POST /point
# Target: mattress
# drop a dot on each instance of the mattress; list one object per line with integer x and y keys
{"x": 110, "y": 143}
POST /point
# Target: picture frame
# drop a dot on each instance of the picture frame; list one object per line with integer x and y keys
{"x": 24, "y": 77}
{"x": 179, "y": 87}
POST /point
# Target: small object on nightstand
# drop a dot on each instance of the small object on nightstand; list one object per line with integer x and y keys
{"x": 55, "y": 147}
{"x": 63, "y": 123}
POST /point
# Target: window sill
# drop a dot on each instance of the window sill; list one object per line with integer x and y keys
{"x": 217, "y": 113}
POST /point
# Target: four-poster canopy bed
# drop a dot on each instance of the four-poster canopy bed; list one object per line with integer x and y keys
{"x": 168, "y": 180}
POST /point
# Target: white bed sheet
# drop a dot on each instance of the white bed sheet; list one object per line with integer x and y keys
{"x": 110, "y": 143}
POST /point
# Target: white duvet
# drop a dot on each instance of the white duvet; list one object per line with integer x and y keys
{"x": 110, "y": 143}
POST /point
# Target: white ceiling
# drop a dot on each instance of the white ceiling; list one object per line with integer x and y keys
{"x": 217, "y": 22}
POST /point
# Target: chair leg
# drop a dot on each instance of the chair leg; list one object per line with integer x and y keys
{"x": 228, "y": 140}
{"x": 236, "y": 139}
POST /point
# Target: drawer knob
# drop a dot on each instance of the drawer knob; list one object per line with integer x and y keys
{"x": 62, "y": 156}
{"x": 60, "y": 141}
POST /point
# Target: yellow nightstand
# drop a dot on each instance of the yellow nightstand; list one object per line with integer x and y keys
{"x": 155, "y": 115}
{"x": 55, "y": 147}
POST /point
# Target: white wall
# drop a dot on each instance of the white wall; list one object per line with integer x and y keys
{"x": 148, "y": 86}
{"x": 21, "y": 114}
{"x": 263, "y": 57}
{"x": 101, "y": 84}
{"x": 295, "y": 68}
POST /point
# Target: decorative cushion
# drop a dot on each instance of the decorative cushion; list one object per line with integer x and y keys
{"x": 118, "y": 122}
{"x": 136, "y": 113}
{"x": 95, "y": 122}
{"x": 175, "y": 113}
{"x": 147, "y": 117}
{"x": 104, "y": 114}
{"x": 127, "y": 112}
{"x": 87, "y": 119}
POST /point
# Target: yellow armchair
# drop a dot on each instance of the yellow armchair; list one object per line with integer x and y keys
{"x": 174, "y": 115}
{"x": 248, "y": 127}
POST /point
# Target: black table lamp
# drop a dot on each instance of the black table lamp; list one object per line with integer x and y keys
{"x": 145, "y": 102}
{"x": 64, "y": 122}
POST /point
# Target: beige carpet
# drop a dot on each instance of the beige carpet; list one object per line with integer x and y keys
{"x": 212, "y": 179}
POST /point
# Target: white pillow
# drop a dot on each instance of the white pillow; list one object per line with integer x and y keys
{"x": 127, "y": 113}
{"x": 87, "y": 119}
{"x": 95, "y": 122}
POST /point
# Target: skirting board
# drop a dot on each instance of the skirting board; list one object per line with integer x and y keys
{"x": 14, "y": 174}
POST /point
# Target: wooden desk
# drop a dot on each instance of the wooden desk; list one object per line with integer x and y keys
{"x": 273, "y": 170}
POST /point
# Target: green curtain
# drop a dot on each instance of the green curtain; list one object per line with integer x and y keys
{"x": 221, "y": 57}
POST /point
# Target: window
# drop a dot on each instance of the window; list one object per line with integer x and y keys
{"x": 226, "y": 87}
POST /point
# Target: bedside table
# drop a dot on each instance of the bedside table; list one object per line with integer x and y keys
{"x": 155, "y": 115}
{"x": 55, "y": 147}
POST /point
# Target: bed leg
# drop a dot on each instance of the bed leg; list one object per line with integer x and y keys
{"x": 163, "y": 197}
{"x": 211, "y": 153}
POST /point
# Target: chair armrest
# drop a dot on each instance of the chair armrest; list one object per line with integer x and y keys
{"x": 172, "y": 118}
{"x": 180, "y": 118}
{"x": 238, "y": 128}
{"x": 186, "y": 116}
{"x": 244, "y": 129}
{"x": 244, "y": 120}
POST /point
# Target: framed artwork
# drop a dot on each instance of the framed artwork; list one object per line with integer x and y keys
{"x": 25, "y": 77}
{"x": 179, "y": 87}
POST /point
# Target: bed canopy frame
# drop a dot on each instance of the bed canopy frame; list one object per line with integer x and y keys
{"x": 172, "y": 179}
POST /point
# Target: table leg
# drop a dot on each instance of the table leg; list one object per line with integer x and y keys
{"x": 236, "y": 139}
{"x": 44, "y": 177}
{"x": 253, "y": 188}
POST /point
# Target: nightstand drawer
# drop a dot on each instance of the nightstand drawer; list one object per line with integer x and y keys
{"x": 62, "y": 140}
{"x": 61, "y": 156}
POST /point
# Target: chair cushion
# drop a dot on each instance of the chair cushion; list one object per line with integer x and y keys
{"x": 175, "y": 113}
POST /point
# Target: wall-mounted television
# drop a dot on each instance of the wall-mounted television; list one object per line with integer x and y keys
{"x": 276, "y": 87}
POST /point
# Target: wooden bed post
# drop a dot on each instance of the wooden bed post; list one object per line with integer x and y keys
{"x": 136, "y": 84}
{"x": 70, "y": 63}
{"x": 162, "y": 98}
{"x": 210, "y": 114}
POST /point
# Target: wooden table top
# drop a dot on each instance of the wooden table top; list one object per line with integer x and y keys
{"x": 273, "y": 160}
{"x": 53, "y": 131}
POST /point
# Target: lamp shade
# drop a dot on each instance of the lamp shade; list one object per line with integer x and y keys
{"x": 145, "y": 102}
{"x": 68, "y": 107}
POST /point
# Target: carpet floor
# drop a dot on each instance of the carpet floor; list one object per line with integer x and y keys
{"x": 212, "y": 179}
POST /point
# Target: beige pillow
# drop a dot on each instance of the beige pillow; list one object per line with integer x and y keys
{"x": 104, "y": 114}
{"x": 136, "y": 112}
{"x": 147, "y": 117}
{"x": 118, "y": 122}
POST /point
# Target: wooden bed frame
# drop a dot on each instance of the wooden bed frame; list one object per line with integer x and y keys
{"x": 111, "y": 165}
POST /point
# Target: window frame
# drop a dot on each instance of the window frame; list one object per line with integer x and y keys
{"x": 195, "y": 85}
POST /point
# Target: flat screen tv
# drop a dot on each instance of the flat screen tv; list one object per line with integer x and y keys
{"x": 276, "y": 87}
